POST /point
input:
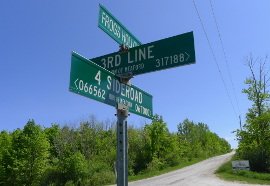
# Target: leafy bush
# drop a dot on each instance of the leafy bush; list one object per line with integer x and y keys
{"x": 155, "y": 165}
{"x": 102, "y": 178}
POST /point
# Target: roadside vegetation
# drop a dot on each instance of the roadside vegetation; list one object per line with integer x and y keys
{"x": 85, "y": 155}
{"x": 225, "y": 172}
{"x": 254, "y": 136}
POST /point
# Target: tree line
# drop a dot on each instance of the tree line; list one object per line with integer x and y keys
{"x": 253, "y": 137}
{"x": 85, "y": 155}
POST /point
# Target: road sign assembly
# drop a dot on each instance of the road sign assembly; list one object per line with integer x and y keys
{"x": 105, "y": 78}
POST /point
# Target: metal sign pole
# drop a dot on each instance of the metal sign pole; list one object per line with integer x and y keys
{"x": 122, "y": 151}
{"x": 122, "y": 155}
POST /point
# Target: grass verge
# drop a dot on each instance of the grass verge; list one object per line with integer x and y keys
{"x": 225, "y": 172}
{"x": 163, "y": 171}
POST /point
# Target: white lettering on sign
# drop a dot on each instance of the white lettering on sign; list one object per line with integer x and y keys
{"x": 110, "y": 24}
{"x": 98, "y": 77}
{"x": 124, "y": 90}
{"x": 140, "y": 54}
{"x": 112, "y": 97}
{"x": 127, "y": 40}
{"x": 134, "y": 67}
{"x": 142, "y": 110}
{"x": 90, "y": 89}
{"x": 124, "y": 102}
{"x": 109, "y": 85}
{"x": 170, "y": 60}
{"x": 111, "y": 61}
{"x": 118, "y": 71}
{"x": 117, "y": 30}
{"x": 133, "y": 56}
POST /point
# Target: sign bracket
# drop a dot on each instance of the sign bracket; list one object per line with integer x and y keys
{"x": 123, "y": 48}
{"x": 125, "y": 78}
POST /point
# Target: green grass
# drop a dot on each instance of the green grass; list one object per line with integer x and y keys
{"x": 163, "y": 171}
{"x": 225, "y": 172}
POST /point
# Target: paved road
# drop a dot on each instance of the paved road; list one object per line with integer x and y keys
{"x": 200, "y": 174}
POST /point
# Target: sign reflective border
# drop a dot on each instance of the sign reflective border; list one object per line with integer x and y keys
{"x": 92, "y": 81}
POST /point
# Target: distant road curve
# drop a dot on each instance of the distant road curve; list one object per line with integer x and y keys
{"x": 199, "y": 174}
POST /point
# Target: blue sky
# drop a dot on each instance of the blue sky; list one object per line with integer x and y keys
{"x": 37, "y": 37}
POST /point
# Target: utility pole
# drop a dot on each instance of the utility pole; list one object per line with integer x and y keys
{"x": 240, "y": 122}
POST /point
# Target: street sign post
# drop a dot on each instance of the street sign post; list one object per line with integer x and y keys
{"x": 105, "y": 78}
{"x": 122, "y": 146}
{"x": 159, "y": 55}
{"x": 109, "y": 24}
{"x": 92, "y": 81}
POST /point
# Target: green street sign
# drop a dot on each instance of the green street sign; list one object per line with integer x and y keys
{"x": 159, "y": 55}
{"x": 109, "y": 24}
{"x": 92, "y": 81}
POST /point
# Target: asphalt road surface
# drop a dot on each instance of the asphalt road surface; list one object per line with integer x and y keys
{"x": 200, "y": 174}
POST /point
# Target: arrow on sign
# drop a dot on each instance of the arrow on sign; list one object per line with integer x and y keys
{"x": 187, "y": 56}
{"x": 75, "y": 82}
